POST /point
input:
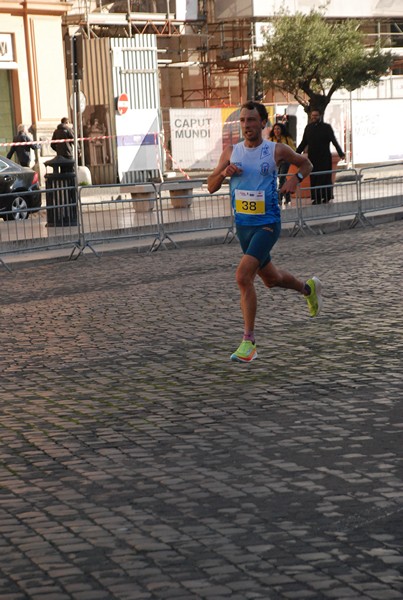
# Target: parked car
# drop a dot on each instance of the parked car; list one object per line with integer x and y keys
{"x": 14, "y": 180}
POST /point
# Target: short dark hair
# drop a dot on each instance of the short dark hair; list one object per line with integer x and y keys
{"x": 65, "y": 120}
{"x": 261, "y": 109}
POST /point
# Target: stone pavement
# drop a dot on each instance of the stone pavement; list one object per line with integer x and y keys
{"x": 139, "y": 463}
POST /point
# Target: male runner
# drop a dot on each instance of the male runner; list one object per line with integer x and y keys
{"x": 251, "y": 166}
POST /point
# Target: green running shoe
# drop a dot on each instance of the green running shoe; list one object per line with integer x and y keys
{"x": 245, "y": 353}
{"x": 314, "y": 300}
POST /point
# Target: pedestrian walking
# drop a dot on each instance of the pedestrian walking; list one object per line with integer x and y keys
{"x": 317, "y": 139}
{"x": 251, "y": 166}
{"x": 23, "y": 152}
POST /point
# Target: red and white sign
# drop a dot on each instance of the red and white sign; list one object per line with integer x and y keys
{"x": 123, "y": 104}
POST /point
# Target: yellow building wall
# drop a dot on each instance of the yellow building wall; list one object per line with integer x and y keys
{"x": 48, "y": 71}
{"x": 39, "y": 81}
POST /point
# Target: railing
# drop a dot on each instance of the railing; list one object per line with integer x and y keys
{"x": 380, "y": 188}
{"x": 29, "y": 229}
{"x": 184, "y": 210}
{"x": 155, "y": 214}
{"x": 118, "y": 212}
{"x": 343, "y": 205}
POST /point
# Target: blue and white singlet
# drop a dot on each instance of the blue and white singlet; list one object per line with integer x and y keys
{"x": 254, "y": 193}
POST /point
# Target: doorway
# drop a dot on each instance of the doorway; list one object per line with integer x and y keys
{"x": 6, "y": 110}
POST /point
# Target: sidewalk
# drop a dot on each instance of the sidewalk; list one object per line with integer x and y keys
{"x": 139, "y": 463}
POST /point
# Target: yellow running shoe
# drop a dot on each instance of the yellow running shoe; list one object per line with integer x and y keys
{"x": 314, "y": 300}
{"x": 245, "y": 353}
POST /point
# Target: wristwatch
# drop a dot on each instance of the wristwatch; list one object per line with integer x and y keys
{"x": 300, "y": 176}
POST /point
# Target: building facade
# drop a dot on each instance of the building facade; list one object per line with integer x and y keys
{"x": 205, "y": 55}
{"x": 206, "y": 47}
{"x": 33, "y": 87}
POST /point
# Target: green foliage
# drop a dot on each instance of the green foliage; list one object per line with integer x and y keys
{"x": 310, "y": 57}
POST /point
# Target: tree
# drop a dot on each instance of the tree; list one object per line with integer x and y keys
{"x": 310, "y": 57}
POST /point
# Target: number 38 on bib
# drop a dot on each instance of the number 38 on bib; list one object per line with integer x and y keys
{"x": 249, "y": 203}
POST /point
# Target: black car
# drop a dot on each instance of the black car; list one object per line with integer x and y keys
{"x": 14, "y": 181}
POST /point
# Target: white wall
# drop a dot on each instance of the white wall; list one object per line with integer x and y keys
{"x": 50, "y": 70}
{"x": 388, "y": 87}
{"x": 369, "y": 9}
{"x": 186, "y": 10}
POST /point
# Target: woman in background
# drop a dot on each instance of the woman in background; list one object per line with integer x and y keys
{"x": 280, "y": 134}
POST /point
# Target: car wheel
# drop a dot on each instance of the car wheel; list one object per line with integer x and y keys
{"x": 19, "y": 210}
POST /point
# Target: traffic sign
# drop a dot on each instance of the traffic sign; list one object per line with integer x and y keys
{"x": 82, "y": 102}
{"x": 123, "y": 104}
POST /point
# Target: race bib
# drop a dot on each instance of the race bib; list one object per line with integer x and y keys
{"x": 249, "y": 203}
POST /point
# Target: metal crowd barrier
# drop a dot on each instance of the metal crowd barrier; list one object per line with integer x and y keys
{"x": 161, "y": 211}
{"x": 118, "y": 212}
{"x": 153, "y": 214}
{"x": 185, "y": 207}
{"x": 381, "y": 190}
{"x": 342, "y": 206}
{"x": 28, "y": 229}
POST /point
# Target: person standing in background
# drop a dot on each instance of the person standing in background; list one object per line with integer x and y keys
{"x": 279, "y": 134}
{"x": 23, "y": 152}
{"x": 317, "y": 138}
{"x": 64, "y": 131}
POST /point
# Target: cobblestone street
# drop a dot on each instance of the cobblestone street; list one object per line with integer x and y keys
{"x": 139, "y": 463}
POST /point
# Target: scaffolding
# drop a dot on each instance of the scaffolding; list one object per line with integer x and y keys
{"x": 214, "y": 61}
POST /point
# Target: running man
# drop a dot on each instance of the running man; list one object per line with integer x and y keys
{"x": 251, "y": 166}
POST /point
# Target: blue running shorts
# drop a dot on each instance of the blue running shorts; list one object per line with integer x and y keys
{"x": 258, "y": 240}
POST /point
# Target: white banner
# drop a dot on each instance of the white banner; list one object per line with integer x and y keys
{"x": 196, "y": 137}
{"x": 335, "y": 116}
{"x": 377, "y": 131}
{"x": 138, "y": 141}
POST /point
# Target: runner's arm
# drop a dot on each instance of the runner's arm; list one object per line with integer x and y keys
{"x": 284, "y": 153}
{"x": 223, "y": 169}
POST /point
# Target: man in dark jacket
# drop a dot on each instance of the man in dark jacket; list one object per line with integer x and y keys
{"x": 23, "y": 152}
{"x": 63, "y": 132}
{"x": 317, "y": 137}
